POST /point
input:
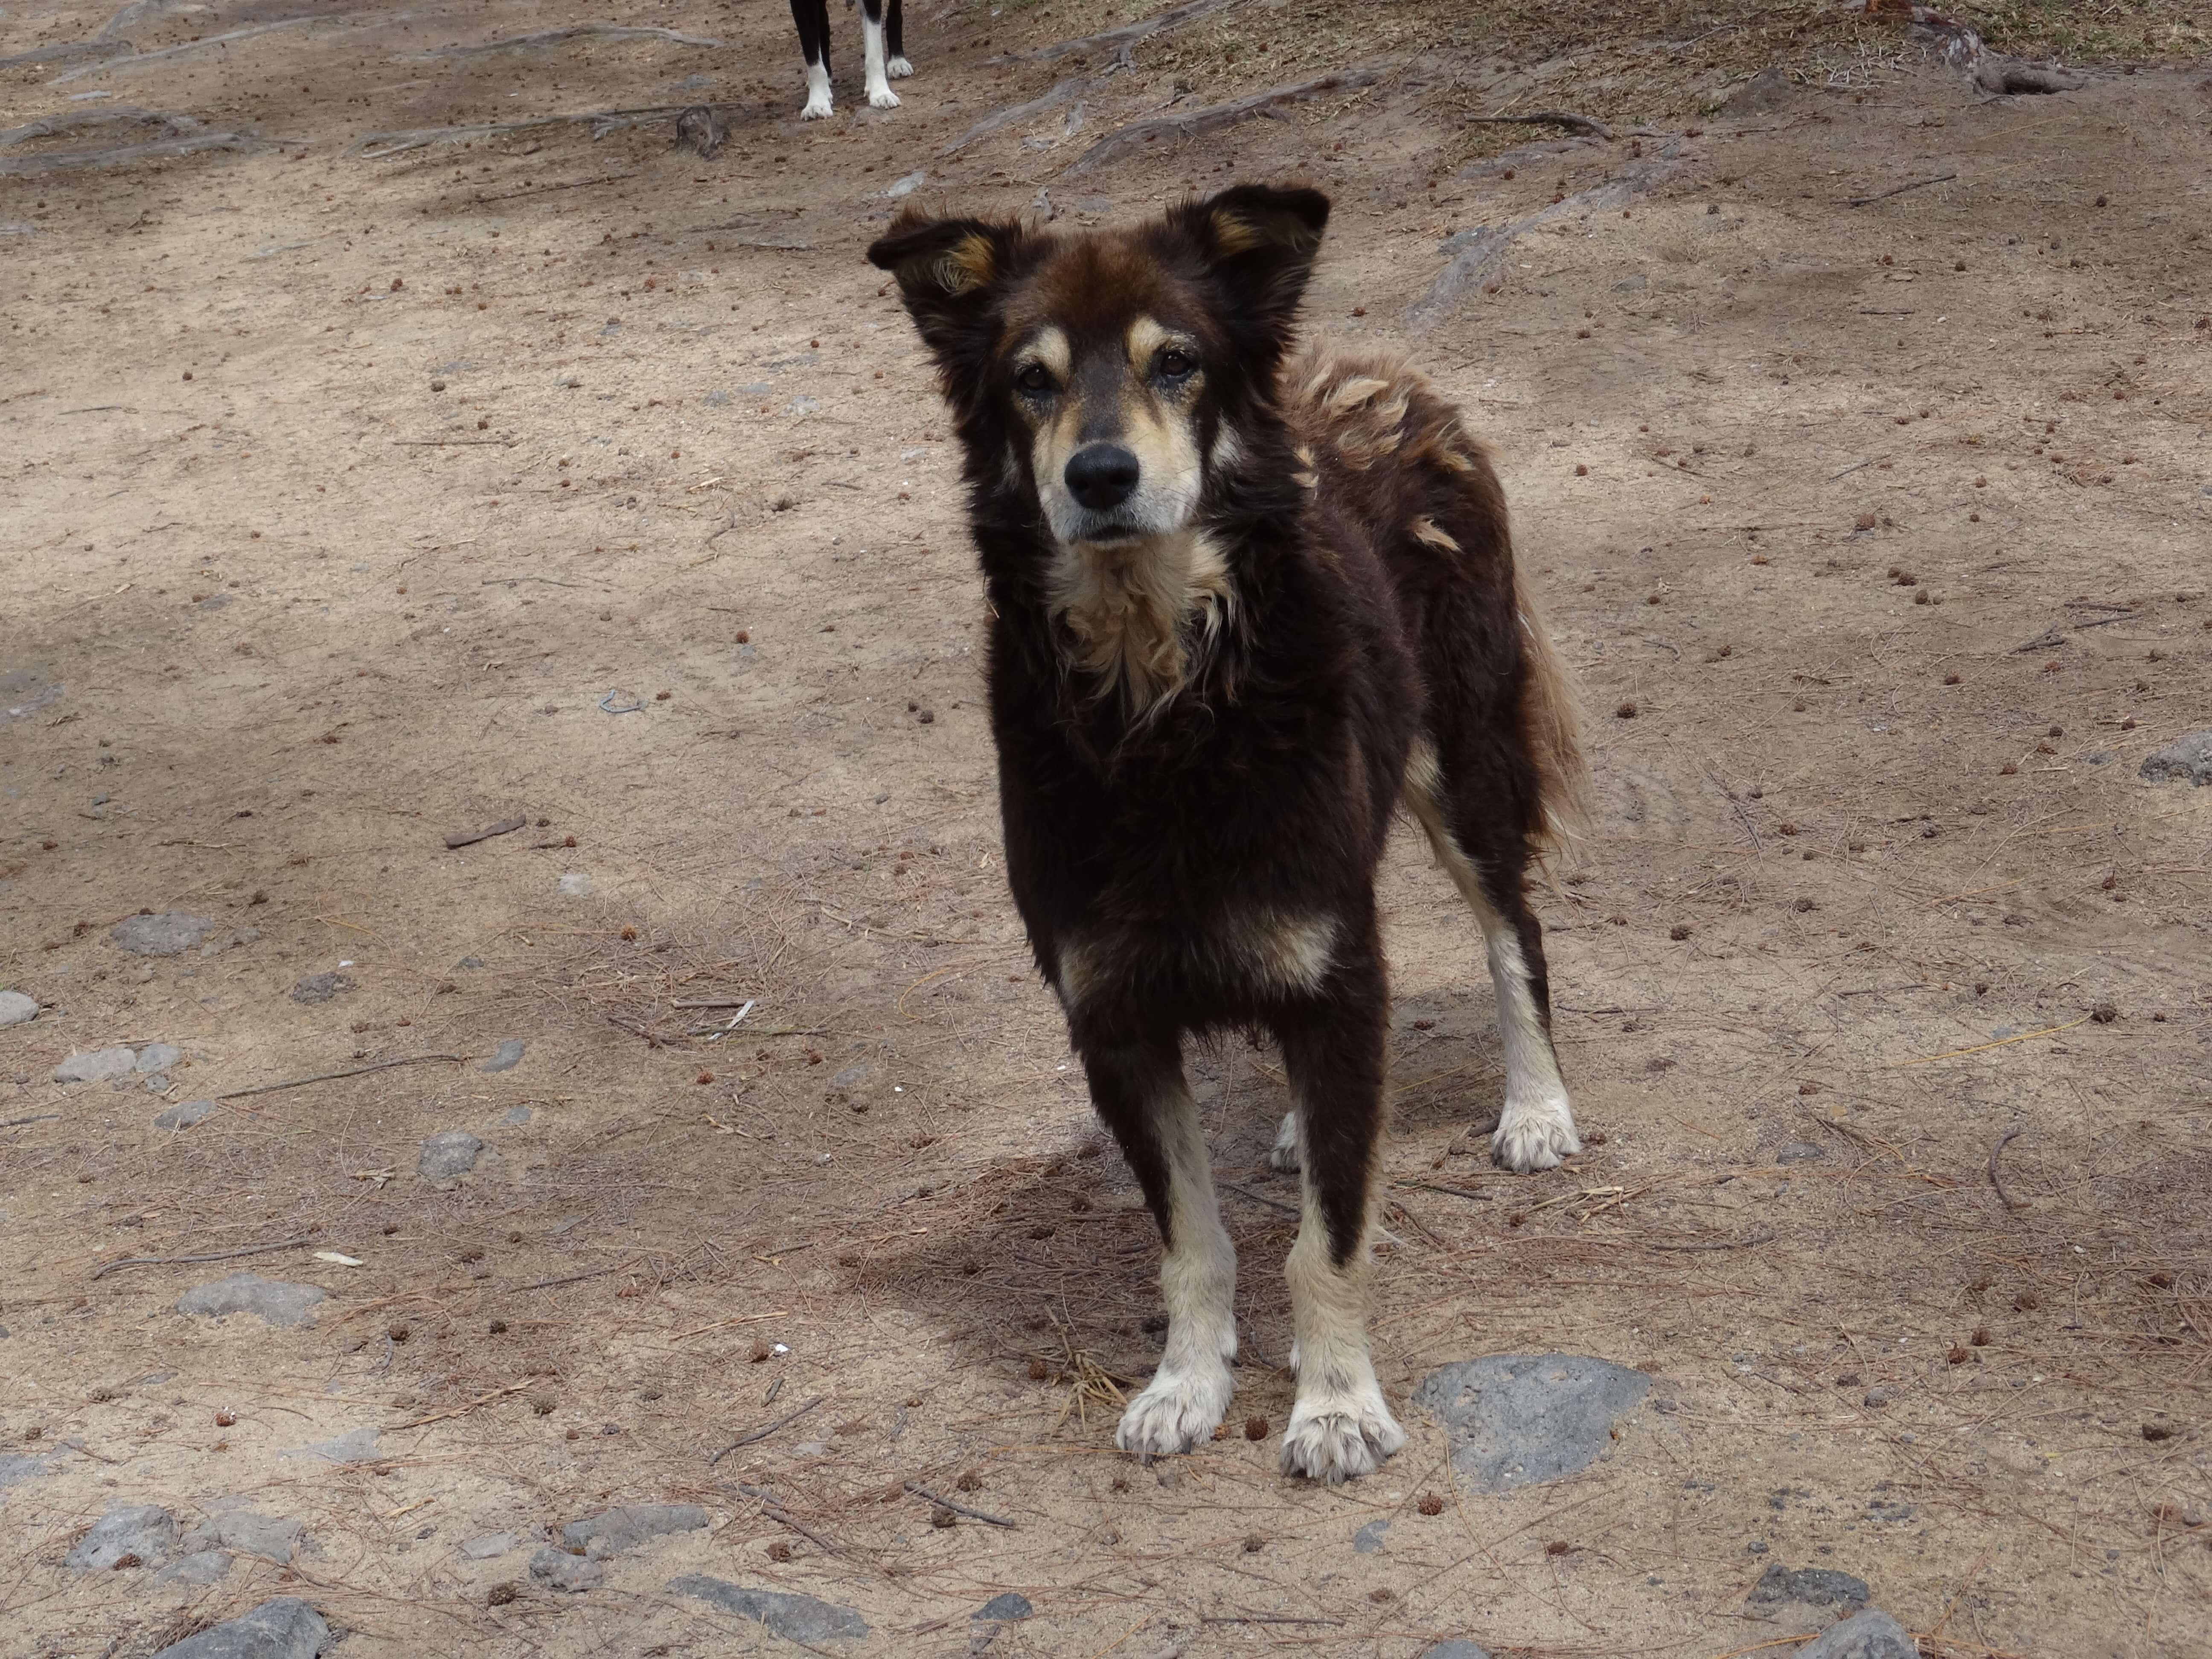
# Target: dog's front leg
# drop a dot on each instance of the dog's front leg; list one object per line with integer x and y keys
{"x": 871, "y": 46}
{"x": 1341, "y": 1426}
{"x": 1140, "y": 1093}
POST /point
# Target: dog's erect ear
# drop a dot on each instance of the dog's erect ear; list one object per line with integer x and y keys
{"x": 1260, "y": 242}
{"x": 947, "y": 270}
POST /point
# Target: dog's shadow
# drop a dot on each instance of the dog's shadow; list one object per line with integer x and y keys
{"x": 1046, "y": 1265}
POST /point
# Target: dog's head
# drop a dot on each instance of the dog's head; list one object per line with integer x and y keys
{"x": 1110, "y": 376}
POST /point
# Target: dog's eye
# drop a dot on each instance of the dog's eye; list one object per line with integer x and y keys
{"x": 1175, "y": 363}
{"x": 1033, "y": 377}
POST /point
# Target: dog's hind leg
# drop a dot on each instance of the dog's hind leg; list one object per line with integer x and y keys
{"x": 894, "y": 30}
{"x": 812, "y": 17}
{"x": 1139, "y": 1091}
{"x": 871, "y": 40}
{"x": 1487, "y": 860}
{"x": 1340, "y": 1425}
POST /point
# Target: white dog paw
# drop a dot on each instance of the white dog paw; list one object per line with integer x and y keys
{"x": 817, "y": 109}
{"x": 1175, "y": 1411}
{"x": 884, "y": 98}
{"x": 1284, "y": 1154}
{"x": 898, "y": 69}
{"x": 1339, "y": 1437}
{"x": 1534, "y": 1140}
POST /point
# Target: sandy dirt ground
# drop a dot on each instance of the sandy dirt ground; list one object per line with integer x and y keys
{"x": 363, "y": 491}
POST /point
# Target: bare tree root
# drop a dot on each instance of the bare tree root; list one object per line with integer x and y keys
{"x": 127, "y": 153}
{"x": 379, "y": 146}
{"x": 68, "y": 52}
{"x": 1213, "y": 119}
{"x": 1476, "y": 253}
{"x": 1006, "y": 117}
{"x": 561, "y": 36}
{"x": 134, "y": 58}
{"x": 1544, "y": 118}
{"x": 137, "y": 12}
{"x": 84, "y": 120}
{"x": 1963, "y": 48}
{"x": 1125, "y": 36}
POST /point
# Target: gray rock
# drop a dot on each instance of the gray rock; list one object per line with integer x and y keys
{"x": 1800, "y": 1151}
{"x": 203, "y": 1567}
{"x": 1869, "y": 1635}
{"x": 1815, "y": 1587}
{"x": 508, "y": 1057}
{"x": 287, "y": 1628}
{"x": 1456, "y": 1649}
{"x": 158, "y": 1056}
{"x": 266, "y": 1535}
{"x": 96, "y": 1065}
{"x": 491, "y": 1544}
{"x": 354, "y": 1446}
{"x": 1012, "y": 1604}
{"x": 321, "y": 987}
{"x": 1880, "y": 1395}
{"x": 2188, "y": 761}
{"x": 15, "y": 1008}
{"x": 14, "y": 1470}
{"x": 565, "y": 1572}
{"x": 617, "y": 1530}
{"x": 795, "y": 1617}
{"x": 277, "y": 1302}
{"x": 184, "y": 1117}
{"x": 1369, "y": 1538}
{"x": 1515, "y": 1420}
{"x": 1770, "y": 89}
{"x": 170, "y": 934}
{"x": 147, "y": 1531}
{"x": 517, "y": 1114}
{"x": 447, "y": 1156}
{"x": 575, "y": 884}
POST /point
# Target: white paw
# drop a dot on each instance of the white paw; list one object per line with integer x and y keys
{"x": 817, "y": 109}
{"x": 1284, "y": 1154}
{"x": 1175, "y": 1411}
{"x": 883, "y": 98}
{"x": 898, "y": 69}
{"x": 1337, "y": 1437}
{"x": 1529, "y": 1139}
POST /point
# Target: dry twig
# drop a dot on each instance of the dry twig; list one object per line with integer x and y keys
{"x": 919, "y": 1491}
{"x": 767, "y": 1429}
{"x": 212, "y": 1255}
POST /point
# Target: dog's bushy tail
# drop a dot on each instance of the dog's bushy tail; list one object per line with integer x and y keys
{"x": 1550, "y": 726}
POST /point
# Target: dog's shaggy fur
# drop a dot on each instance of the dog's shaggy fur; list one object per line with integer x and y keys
{"x": 1245, "y": 604}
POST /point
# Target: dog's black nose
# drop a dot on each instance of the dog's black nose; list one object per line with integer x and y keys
{"x": 1101, "y": 476}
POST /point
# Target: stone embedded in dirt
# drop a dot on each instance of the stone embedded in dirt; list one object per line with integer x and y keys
{"x": 1815, "y": 1587}
{"x": 565, "y": 1572}
{"x": 146, "y": 1530}
{"x": 1770, "y": 88}
{"x": 575, "y": 884}
{"x": 277, "y": 1302}
{"x": 354, "y": 1446}
{"x": 170, "y": 934}
{"x": 231, "y": 940}
{"x": 1869, "y": 1635}
{"x": 508, "y": 1057}
{"x": 158, "y": 1056}
{"x": 287, "y": 1628}
{"x": 96, "y": 1065}
{"x": 1012, "y": 1604}
{"x": 203, "y": 1567}
{"x": 16, "y": 1469}
{"x": 15, "y": 1008}
{"x": 1369, "y": 1538}
{"x": 448, "y": 1156}
{"x": 517, "y": 1114}
{"x": 1880, "y": 1395}
{"x": 321, "y": 987}
{"x": 1515, "y": 1420}
{"x": 2188, "y": 761}
{"x": 794, "y": 1618}
{"x": 491, "y": 1544}
{"x": 1456, "y": 1649}
{"x": 1799, "y": 1151}
{"x": 617, "y": 1530}
{"x": 184, "y": 1117}
{"x": 266, "y": 1535}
